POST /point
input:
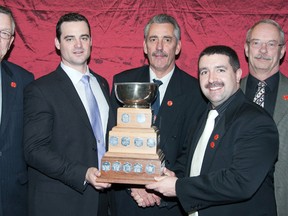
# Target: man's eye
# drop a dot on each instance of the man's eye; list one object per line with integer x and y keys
{"x": 203, "y": 72}
{"x": 255, "y": 43}
{"x": 271, "y": 44}
{"x": 167, "y": 40}
{"x": 85, "y": 38}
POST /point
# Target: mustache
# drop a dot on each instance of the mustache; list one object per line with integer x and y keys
{"x": 160, "y": 53}
{"x": 261, "y": 56}
{"x": 214, "y": 84}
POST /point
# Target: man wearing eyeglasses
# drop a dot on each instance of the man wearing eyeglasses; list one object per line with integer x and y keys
{"x": 13, "y": 170}
{"x": 265, "y": 47}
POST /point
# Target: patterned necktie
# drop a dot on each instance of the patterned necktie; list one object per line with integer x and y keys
{"x": 259, "y": 96}
{"x": 95, "y": 118}
{"x": 156, "y": 104}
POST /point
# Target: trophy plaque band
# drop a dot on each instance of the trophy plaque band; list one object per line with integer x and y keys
{"x": 134, "y": 156}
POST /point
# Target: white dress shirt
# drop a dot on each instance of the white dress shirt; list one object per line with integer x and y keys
{"x": 76, "y": 77}
{"x": 165, "y": 81}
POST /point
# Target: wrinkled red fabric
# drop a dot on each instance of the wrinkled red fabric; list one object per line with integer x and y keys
{"x": 117, "y": 30}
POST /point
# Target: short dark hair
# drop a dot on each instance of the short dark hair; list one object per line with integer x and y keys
{"x": 70, "y": 17}
{"x": 163, "y": 18}
{"x": 7, "y": 11}
{"x": 222, "y": 50}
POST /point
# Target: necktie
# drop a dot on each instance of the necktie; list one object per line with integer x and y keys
{"x": 199, "y": 152}
{"x": 156, "y": 104}
{"x": 259, "y": 96}
{"x": 202, "y": 143}
{"x": 95, "y": 118}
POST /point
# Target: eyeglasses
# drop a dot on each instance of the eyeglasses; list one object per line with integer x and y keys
{"x": 270, "y": 45}
{"x": 5, "y": 35}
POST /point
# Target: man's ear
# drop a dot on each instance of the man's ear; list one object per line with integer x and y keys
{"x": 145, "y": 47}
{"x": 57, "y": 43}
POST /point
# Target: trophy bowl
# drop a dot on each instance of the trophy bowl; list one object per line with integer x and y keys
{"x": 136, "y": 94}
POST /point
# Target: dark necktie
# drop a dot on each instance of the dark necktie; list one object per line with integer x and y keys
{"x": 260, "y": 94}
{"x": 156, "y": 104}
{"x": 95, "y": 118}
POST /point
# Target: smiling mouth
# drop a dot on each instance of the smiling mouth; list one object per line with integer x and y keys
{"x": 215, "y": 88}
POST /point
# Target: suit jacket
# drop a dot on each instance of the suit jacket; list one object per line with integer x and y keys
{"x": 13, "y": 169}
{"x": 237, "y": 172}
{"x": 173, "y": 122}
{"x": 281, "y": 168}
{"x": 59, "y": 147}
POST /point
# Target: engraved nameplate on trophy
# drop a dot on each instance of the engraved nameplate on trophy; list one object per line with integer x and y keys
{"x": 134, "y": 156}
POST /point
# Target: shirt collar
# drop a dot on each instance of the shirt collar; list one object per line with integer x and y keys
{"x": 164, "y": 79}
{"x": 222, "y": 107}
{"x": 272, "y": 82}
{"x": 73, "y": 74}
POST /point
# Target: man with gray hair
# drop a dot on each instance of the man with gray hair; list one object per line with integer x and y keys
{"x": 180, "y": 104}
{"x": 13, "y": 170}
{"x": 267, "y": 86}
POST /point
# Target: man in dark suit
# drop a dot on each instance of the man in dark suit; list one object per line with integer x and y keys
{"x": 181, "y": 102}
{"x": 13, "y": 169}
{"x": 61, "y": 146}
{"x": 233, "y": 173}
{"x": 265, "y": 47}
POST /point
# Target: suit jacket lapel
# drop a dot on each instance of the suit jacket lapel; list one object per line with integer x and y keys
{"x": 144, "y": 76}
{"x": 219, "y": 131}
{"x": 166, "y": 114}
{"x": 68, "y": 88}
{"x": 214, "y": 144}
{"x": 9, "y": 92}
{"x": 193, "y": 139}
{"x": 281, "y": 107}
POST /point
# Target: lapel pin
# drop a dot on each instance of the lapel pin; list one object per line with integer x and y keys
{"x": 13, "y": 84}
{"x": 169, "y": 103}
{"x": 212, "y": 145}
{"x": 216, "y": 137}
{"x": 285, "y": 97}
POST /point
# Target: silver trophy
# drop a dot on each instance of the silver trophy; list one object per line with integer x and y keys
{"x": 136, "y": 94}
{"x": 134, "y": 155}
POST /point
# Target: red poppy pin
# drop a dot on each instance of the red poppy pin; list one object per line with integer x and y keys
{"x": 212, "y": 145}
{"x": 285, "y": 97}
{"x": 13, "y": 84}
{"x": 216, "y": 136}
{"x": 169, "y": 103}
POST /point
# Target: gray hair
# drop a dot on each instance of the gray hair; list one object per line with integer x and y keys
{"x": 7, "y": 11}
{"x": 163, "y": 18}
{"x": 267, "y": 21}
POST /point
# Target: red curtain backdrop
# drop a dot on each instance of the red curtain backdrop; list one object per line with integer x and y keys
{"x": 117, "y": 29}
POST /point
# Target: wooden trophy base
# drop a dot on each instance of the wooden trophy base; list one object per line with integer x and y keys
{"x": 126, "y": 168}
